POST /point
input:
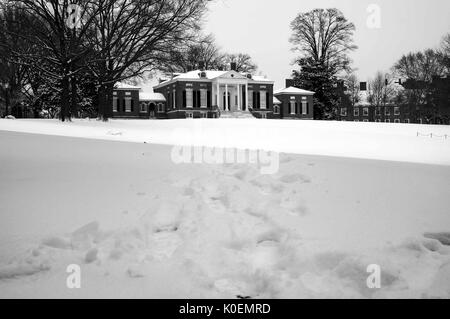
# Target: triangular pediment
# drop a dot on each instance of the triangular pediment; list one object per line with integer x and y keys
{"x": 232, "y": 75}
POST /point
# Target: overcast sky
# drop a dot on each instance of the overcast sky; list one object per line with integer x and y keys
{"x": 262, "y": 29}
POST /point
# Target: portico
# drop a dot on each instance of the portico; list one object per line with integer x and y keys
{"x": 231, "y": 92}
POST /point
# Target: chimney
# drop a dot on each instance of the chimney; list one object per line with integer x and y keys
{"x": 201, "y": 65}
{"x": 289, "y": 82}
{"x": 233, "y": 66}
{"x": 363, "y": 86}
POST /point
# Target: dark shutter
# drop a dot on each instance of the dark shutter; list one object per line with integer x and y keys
{"x": 194, "y": 98}
{"x": 199, "y": 98}
{"x": 184, "y": 98}
{"x": 296, "y": 108}
{"x": 208, "y": 98}
{"x": 268, "y": 106}
{"x": 132, "y": 105}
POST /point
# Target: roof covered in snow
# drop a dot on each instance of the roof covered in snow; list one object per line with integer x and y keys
{"x": 150, "y": 96}
{"x": 124, "y": 86}
{"x": 276, "y": 101}
{"x": 293, "y": 90}
{"x": 211, "y": 75}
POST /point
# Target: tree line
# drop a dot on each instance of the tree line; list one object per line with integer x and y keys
{"x": 324, "y": 39}
{"x": 63, "y": 57}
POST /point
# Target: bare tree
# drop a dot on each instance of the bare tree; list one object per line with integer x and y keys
{"x": 58, "y": 42}
{"x": 189, "y": 56}
{"x": 353, "y": 88}
{"x": 135, "y": 37}
{"x": 382, "y": 90}
{"x": 419, "y": 69}
{"x": 243, "y": 62}
{"x": 325, "y": 36}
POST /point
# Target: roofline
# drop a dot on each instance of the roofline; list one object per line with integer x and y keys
{"x": 296, "y": 93}
{"x": 172, "y": 81}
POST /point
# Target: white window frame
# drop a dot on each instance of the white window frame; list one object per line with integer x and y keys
{"x": 343, "y": 111}
{"x": 292, "y": 107}
{"x": 189, "y": 98}
{"x": 143, "y": 108}
{"x": 204, "y": 115}
{"x": 356, "y": 111}
{"x": 160, "y": 108}
{"x": 203, "y": 98}
{"x": 304, "y": 108}
{"x": 189, "y": 115}
{"x": 387, "y": 121}
{"x": 396, "y": 110}
{"x": 356, "y": 120}
{"x": 387, "y": 111}
{"x": 396, "y": 120}
{"x": 115, "y": 103}
{"x": 378, "y": 111}
{"x": 263, "y": 115}
{"x": 263, "y": 100}
{"x": 407, "y": 121}
{"x": 365, "y": 111}
{"x": 276, "y": 109}
{"x": 128, "y": 100}
{"x": 365, "y": 120}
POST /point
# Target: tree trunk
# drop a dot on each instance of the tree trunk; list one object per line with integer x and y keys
{"x": 64, "y": 114}
{"x": 73, "y": 97}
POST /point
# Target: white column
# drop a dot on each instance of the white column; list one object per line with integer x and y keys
{"x": 246, "y": 96}
{"x": 226, "y": 97}
{"x": 217, "y": 94}
{"x": 239, "y": 107}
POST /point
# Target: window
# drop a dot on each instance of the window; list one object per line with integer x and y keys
{"x": 128, "y": 104}
{"x": 203, "y": 98}
{"x": 387, "y": 111}
{"x": 189, "y": 98}
{"x": 292, "y": 107}
{"x": 204, "y": 115}
{"x": 264, "y": 115}
{"x": 365, "y": 120}
{"x": 378, "y": 111}
{"x": 174, "y": 97}
{"x": 114, "y": 104}
{"x": 366, "y": 111}
{"x": 356, "y": 120}
{"x": 396, "y": 110}
{"x": 127, "y": 93}
{"x": 143, "y": 107}
{"x": 397, "y": 121}
{"x": 276, "y": 109}
{"x": 344, "y": 111}
{"x": 304, "y": 107}
{"x": 387, "y": 120}
{"x": 356, "y": 111}
{"x": 160, "y": 108}
{"x": 189, "y": 115}
{"x": 250, "y": 99}
{"x": 263, "y": 99}
{"x": 378, "y": 120}
{"x": 407, "y": 121}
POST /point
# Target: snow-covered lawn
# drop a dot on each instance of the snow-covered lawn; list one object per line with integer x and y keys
{"x": 383, "y": 141}
{"x": 141, "y": 226}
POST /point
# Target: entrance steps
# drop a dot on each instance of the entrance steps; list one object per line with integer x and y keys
{"x": 236, "y": 115}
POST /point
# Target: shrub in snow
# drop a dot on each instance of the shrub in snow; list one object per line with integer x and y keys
{"x": 10, "y": 117}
